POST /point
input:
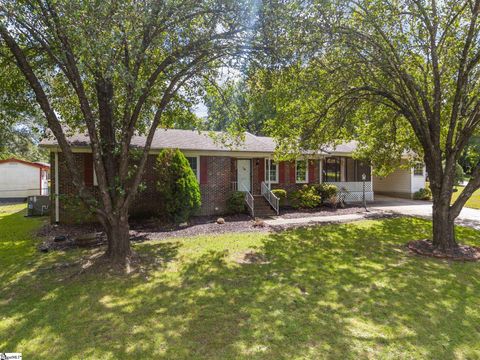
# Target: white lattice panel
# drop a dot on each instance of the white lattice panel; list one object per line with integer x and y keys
{"x": 353, "y": 191}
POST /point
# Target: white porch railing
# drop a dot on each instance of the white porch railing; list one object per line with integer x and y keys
{"x": 234, "y": 186}
{"x": 352, "y": 191}
{"x": 250, "y": 200}
{"x": 273, "y": 200}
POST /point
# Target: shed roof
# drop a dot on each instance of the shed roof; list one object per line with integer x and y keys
{"x": 35, "y": 164}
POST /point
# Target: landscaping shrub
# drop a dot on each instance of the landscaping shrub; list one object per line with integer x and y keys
{"x": 326, "y": 191}
{"x": 236, "y": 202}
{"x": 281, "y": 194}
{"x": 178, "y": 185}
{"x": 423, "y": 194}
{"x": 307, "y": 198}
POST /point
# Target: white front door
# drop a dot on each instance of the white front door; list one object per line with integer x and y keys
{"x": 243, "y": 175}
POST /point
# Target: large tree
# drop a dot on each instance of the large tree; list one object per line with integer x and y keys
{"x": 115, "y": 69}
{"x": 21, "y": 124}
{"x": 402, "y": 75}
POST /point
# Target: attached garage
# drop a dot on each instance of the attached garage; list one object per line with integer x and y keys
{"x": 401, "y": 183}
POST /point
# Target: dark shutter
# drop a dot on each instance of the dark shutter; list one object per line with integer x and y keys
{"x": 292, "y": 172}
{"x": 261, "y": 170}
{"x": 203, "y": 169}
{"x": 311, "y": 171}
{"x": 281, "y": 172}
{"x": 88, "y": 169}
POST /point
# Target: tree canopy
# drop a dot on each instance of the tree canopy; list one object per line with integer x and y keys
{"x": 113, "y": 69}
{"x": 401, "y": 77}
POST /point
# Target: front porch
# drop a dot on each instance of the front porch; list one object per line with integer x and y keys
{"x": 257, "y": 176}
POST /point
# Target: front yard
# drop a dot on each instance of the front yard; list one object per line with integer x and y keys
{"x": 337, "y": 291}
{"x": 473, "y": 202}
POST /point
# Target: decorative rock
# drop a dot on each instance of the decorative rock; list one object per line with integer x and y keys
{"x": 259, "y": 223}
{"x": 184, "y": 224}
{"x": 59, "y": 238}
{"x": 44, "y": 248}
{"x": 220, "y": 221}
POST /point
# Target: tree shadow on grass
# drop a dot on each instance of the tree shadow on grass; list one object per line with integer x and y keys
{"x": 351, "y": 292}
{"x": 341, "y": 291}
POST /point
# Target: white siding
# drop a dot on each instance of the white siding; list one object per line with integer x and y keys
{"x": 18, "y": 180}
{"x": 397, "y": 183}
{"x": 418, "y": 181}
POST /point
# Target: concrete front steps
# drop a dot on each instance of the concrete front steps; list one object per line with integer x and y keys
{"x": 262, "y": 208}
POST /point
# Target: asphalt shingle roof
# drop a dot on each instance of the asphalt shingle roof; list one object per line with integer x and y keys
{"x": 200, "y": 141}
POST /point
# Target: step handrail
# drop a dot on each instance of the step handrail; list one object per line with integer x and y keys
{"x": 272, "y": 199}
{"x": 249, "y": 200}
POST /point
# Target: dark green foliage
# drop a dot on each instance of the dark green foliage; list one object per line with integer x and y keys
{"x": 423, "y": 194}
{"x": 236, "y": 202}
{"x": 326, "y": 191}
{"x": 306, "y": 198}
{"x": 177, "y": 185}
{"x": 281, "y": 194}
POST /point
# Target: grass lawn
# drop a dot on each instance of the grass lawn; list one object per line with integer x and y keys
{"x": 473, "y": 202}
{"x": 337, "y": 291}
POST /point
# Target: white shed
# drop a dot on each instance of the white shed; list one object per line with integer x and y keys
{"x": 19, "y": 179}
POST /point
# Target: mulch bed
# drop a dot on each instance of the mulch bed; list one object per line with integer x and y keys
{"x": 461, "y": 253}
{"x": 155, "y": 229}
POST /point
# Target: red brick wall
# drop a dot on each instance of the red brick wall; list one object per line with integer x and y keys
{"x": 216, "y": 176}
{"x": 219, "y": 186}
{"x": 215, "y": 191}
{"x": 287, "y": 175}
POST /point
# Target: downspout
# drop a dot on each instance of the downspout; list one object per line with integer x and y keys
{"x": 57, "y": 186}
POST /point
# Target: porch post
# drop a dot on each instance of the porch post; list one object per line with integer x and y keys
{"x": 269, "y": 176}
{"x": 320, "y": 167}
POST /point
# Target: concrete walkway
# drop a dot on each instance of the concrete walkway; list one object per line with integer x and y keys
{"x": 383, "y": 204}
{"x": 279, "y": 221}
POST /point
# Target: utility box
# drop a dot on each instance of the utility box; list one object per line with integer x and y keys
{"x": 38, "y": 205}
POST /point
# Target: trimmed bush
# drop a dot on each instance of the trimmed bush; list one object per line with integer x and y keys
{"x": 281, "y": 194}
{"x": 326, "y": 191}
{"x": 306, "y": 198}
{"x": 423, "y": 194}
{"x": 236, "y": 202}
{"x": 177, "y": 185}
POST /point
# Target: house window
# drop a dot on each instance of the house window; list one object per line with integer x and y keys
{"x": 194, "y": 164}
{"x": 331, "y": 170}
{"x": 273, "y": 171}
{"x": 418, "y": 169}
{"x": 301, "y": 171}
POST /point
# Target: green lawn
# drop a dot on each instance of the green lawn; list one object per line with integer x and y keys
{"x": 473, "y": 202}
{"x": 338, "y": 292}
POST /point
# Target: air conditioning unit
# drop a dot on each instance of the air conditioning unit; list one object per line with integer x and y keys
{"x": 38, "y": 205}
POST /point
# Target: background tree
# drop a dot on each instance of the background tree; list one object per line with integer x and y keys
{"x": 114, "y": 69}
{"x": 21, "y": 124}
{"x": 401, "y": 76}
{"x": 235, "y": 105}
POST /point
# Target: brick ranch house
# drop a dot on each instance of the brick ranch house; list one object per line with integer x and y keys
{"x": 247, "y": 167}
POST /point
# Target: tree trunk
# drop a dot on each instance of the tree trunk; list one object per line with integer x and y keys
{"x": 118, "y": 238}
{"x": 443, "y": 226}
